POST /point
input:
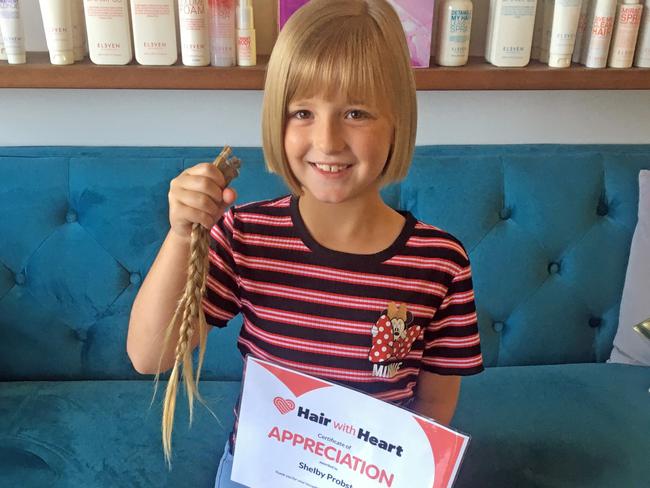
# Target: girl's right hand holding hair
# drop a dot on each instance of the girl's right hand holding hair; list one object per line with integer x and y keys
{"x": 198, "y": 195}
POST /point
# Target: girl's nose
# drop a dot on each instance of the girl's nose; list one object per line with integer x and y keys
{"x": 328, "y": 137}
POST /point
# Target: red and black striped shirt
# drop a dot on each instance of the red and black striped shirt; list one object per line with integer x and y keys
{"x": 313, "y": 309}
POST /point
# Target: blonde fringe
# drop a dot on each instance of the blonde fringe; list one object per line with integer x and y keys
{"x": 189, "y": 314}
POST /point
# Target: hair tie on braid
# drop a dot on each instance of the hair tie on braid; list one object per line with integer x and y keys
{"x": 190, "y": 319}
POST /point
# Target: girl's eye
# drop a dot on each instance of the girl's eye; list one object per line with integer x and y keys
{"x": 301, "y": 114}
{"x": 357, "y": 114}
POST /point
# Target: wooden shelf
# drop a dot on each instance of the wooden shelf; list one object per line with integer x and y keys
{"x": 477, "y": 75}
{"x": 480, "y": 75}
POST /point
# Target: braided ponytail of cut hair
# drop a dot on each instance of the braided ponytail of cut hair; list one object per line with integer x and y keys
{"x": 189, "y": 319}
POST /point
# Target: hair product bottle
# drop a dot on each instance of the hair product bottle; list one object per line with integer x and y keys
{"x": 13, "y": 31}
{"x": 195, "y": 36}
{"x": 109, "y": 34}
{"x": 598, "y": 36}
{"x": 246, "y": 42}
{"x": 582, "y": 30}
{"x": 154, "y": 32}
{"x": 547, "y": 28}
{"x": 642, "y": 57}
{"x": 511, "y": 32}
{"x": 453, "y": 34}
{"x": 626, "y": 30}
{"x": 563, "y": 34}
{"x": 57, "y": 23}
{"x": 222, "y": 33}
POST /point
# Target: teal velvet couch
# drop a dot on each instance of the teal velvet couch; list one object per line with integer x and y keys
{"x": 548, "y": 229}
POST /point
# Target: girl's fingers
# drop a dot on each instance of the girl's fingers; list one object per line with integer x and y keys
{"x": 200, "y": 201}
{"x": 207, "y": 170}
{"x": 200, "y": 184}
{"x": 193, "y": 215}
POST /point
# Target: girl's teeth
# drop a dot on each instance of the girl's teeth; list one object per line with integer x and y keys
{"x": 331, "y": 169}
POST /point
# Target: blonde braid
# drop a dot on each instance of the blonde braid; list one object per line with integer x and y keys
{"x": 189, "y": 313}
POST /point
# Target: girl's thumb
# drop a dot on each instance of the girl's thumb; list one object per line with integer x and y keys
{"x": 229, "y": 196}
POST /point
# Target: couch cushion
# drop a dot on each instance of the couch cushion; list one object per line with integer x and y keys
{"x": 82, "y": 226}
{"x": 103, "y": 434}
{"x": 548, "y": 231}
{"x": 531, "y": 426}
{"x": 556, "y": 426}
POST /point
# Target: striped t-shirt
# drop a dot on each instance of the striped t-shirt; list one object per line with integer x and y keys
{"x": 370, "y": 322}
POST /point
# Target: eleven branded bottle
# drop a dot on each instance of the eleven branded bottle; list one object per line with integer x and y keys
{"x": 154, "y": 32}
{"x": 109, "y": 32}
{"x": 57, "y": 23}
{"x": 510, "y": 32}
{"x": 194, "y": 32}
{"x": 563, "y": 33}
{"x": 626, "y": 30}
{"x": 600, "y": 25}
{"x": 453, "y": 33}
{"x": 222, "y": 33}
{"x": 642, "y": 56}
{"x": 13, "y": 31}
{"x": 65, "y": 32}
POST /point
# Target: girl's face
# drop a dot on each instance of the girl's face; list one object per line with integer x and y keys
{"x": 337, "y": 149}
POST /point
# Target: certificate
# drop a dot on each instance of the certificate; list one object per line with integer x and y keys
{"x": 296, "y": 430}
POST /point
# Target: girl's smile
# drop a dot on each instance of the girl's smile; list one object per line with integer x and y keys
{"x": 332, "y": 170}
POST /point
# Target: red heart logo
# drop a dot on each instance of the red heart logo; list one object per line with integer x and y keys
{"x": 283, "y": 405}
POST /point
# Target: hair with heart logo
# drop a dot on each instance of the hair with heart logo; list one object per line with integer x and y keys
{"x": 284, "y": 405}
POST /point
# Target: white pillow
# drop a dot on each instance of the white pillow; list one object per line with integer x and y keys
{"x": 630, "y": 347}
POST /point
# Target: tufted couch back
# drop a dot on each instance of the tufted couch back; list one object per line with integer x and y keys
{"x": 547, "y": 227}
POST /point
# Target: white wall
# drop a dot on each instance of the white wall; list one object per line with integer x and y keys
{"x": 209, "y": 118}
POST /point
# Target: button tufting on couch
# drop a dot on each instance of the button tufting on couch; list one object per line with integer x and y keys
{"x": 548, "y": 230}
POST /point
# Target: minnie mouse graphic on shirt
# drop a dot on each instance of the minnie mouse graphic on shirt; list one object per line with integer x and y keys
{"x": 392, "y": 339}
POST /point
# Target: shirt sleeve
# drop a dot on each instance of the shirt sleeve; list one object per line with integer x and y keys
{"x": 222, "y": 300}
{"x": 452, "y": 343}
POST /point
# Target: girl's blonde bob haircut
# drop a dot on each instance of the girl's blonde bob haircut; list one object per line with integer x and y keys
{"x": 354, "y": 48}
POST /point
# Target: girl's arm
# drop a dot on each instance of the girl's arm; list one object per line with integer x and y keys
{"x": 436, "y": 396}
{"x": 154, "y": 307}
{"x": 198, "y": 195}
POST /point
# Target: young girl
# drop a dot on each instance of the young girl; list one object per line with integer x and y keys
{"x": 330, "y": 280}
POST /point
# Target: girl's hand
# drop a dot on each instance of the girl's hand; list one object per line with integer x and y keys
{"x": 198, "y": 195}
